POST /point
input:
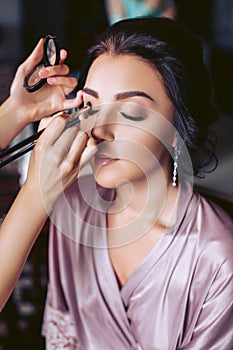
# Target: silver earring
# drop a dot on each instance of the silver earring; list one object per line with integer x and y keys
{"x": 176, "y": 156}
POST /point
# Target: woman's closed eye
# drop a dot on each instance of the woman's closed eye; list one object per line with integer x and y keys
{"x": 131, "y": 117}
{"x": 133, "y": 114}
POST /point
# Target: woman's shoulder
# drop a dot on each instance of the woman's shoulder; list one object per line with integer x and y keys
{"x": 214, "y": 214}
{"x": 214, "y": 227}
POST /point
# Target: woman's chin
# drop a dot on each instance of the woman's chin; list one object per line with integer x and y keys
{"x": 106, "y": 181}
{"x": 115, "y": 175}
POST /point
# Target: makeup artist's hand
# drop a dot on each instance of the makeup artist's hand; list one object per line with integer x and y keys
{"x": 50, "y": 98}
{"x": 22, "y": 107}
{"x": 54, "y": 164}
{"x": 57, "y": 159}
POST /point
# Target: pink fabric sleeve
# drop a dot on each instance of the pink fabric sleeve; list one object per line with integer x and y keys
{"x": 59, "y": 330}
{"x": 214, "y": 328}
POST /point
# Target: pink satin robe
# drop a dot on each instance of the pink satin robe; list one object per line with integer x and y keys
{"x": 178, "y": 298}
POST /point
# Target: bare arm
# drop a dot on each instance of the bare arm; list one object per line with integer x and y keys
{"x": 17, "y": 235}
{"x": 54, "y": 165}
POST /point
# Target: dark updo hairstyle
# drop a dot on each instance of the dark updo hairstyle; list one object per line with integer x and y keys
{"x": 178, "y": 56}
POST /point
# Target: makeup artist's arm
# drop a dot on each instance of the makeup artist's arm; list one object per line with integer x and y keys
{"x": 54, "y": 165}
{"x": 22, "y": 107}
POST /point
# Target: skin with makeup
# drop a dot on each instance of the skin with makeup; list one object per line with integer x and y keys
{"x": 133, "y": 261}
{"x": 52, "y": 168}
{"x": 144, "y": 88}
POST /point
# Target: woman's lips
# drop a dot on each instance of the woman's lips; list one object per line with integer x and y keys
{"x": 103, "y": 159}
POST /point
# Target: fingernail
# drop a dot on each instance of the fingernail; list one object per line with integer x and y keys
{"x": 80, "y": 93}
{"x": 52, "y": 80}
{"x": 91, "y": 142}
{"x": 43, "y": 72}
{"x": 81, "y": 133}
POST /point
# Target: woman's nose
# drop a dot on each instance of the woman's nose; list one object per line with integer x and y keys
{"x": 102, "y": 132}
{"x": 102, "y": 126}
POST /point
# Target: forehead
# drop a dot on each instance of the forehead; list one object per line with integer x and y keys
{"x": 123, "y": 72}
{"x": 127, "y": 78}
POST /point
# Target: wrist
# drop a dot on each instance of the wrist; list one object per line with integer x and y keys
{"x": 45, "y": 199}
{"x": 19, "y": 112}
{"x": 13, "y": 112}
{"x": 32, "y": 193}
{"x": 11, "y": 122}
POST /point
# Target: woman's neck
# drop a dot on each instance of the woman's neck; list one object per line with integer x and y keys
{"x": 152, "y": 195}
{"x": 141, "y": 207}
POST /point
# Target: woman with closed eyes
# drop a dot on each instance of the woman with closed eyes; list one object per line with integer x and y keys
{"x": 137, "y": 259}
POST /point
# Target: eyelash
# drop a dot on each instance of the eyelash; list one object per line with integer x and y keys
{"x": 91, "y": 111}
{"x": 136, "y": 118}
{"x": 126, "y": 116}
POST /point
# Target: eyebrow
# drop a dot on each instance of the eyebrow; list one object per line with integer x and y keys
{"x": 127, "y": 94}
{"x": 91, "y": 92}
{"x": 120, "y": 95}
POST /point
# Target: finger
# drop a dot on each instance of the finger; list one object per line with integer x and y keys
{"x": 88, "y": 152}
{"x": 44, "y": 123}
{"x": 46, "y": 120}
{"x": 77, "y": 149}
{"x": 80, "y": 95}
{"x": 63, "y": 56}
{"x": 73, "y": 102}
{"x": 34, "y": 58}
{"x": 52, "y": 71}
{"x": 52, "y": 132}
{"x": 67, "y": 83}
{"x": 64, "y": 142}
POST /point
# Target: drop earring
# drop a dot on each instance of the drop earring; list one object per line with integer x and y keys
{"x": 175, "y": 166}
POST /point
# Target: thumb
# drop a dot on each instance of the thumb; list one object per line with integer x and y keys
{"x": 34, "y": 58}
{"x": 88, "y": 152}
{"x": 44, "y": 123}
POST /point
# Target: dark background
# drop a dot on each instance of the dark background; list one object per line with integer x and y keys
{"x": 76, "y": 23}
